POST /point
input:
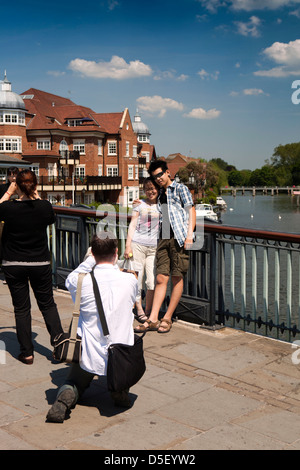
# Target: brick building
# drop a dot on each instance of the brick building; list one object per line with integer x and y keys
{"x": 79, "y": 156}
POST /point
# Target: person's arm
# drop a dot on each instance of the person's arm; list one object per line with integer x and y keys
{"x": 72, "y": 279}
{"x": 7, "y": 195}
{"x": 191, "y": 226}
{"x": 131, "y": 230}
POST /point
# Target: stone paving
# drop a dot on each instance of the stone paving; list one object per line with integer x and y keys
{"x": 203, "y": 390}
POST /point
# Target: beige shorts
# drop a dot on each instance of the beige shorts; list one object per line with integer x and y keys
{"x": 145, "y": 255}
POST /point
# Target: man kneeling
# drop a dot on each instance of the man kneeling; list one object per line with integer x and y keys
{"x": 118, "y": 292}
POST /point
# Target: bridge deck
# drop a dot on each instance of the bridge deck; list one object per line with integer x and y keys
{"x": 222, "y": 389}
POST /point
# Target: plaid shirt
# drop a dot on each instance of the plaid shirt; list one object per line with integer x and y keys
{"x": 179, "y": 201}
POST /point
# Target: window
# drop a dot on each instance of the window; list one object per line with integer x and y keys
{"x": 134, "y": 151}
{"x": 100, "y": 147}
{"x": 80, "y": 171}
{"x": 130, "y": 172}
{"x": 11, "y": 144}
{"x": 112, "y": 147}
{"x": 79, "y": 145}
{"x": 100, "y": 170}
{"x": 74, "y": 122}
{"x": 63, "y": 146}
{"x": 52, "y": 171}
{"x": 16, "y": 117}
{"x": 143, "y": 138}
{"x": 147, "y": 155}
{"x": 127, "y": 149}
{"x": 112, "y": 170}
{"x": 35, "y": 169}
{"x": 43, "y": 144}
{"x": 136, "y": 172}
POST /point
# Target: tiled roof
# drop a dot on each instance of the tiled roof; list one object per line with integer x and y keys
{"x": 109, "y": 121}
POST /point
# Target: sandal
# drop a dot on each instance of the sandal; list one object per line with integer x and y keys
{"x": 141, "y": 316}
{"x": 167, "y": 328}
{"x": 151, "y": 326}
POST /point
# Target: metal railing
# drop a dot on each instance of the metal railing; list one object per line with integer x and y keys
{"x": 239, "y": 278}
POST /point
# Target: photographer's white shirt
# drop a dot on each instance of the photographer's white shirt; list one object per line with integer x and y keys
{"x": 118, "y": 292}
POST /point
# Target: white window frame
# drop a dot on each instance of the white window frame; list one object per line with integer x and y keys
{"x": 100, "y": 147}
{"x": 112, "y": 147}
{"x": 36, "y": 169}
{"x": 100, "y": 170}
{"x": 79, "y": 145}
{"x": 12, "y": 117}
{"x": 10, "y": 144}
{"x": 127, "y": 149}
{"x": 113, "y": 169}
{"x": 143, "y": 138}
{"x": 43, "y": 144}
{"x": 130, "y": 172}
{"x": 79, "y": 171}
{"x": 136, "y": 168}
{"x": 147, "y": 155}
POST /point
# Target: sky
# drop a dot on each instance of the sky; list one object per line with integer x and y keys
{"x": 210, "y": 78}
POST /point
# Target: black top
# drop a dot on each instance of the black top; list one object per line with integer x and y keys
{"x": 25, "y": 236}
{"x": 3, "y": 188}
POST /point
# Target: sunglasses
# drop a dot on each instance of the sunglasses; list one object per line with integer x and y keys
{"x": 159, "y": 175}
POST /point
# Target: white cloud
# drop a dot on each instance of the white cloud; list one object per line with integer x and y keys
{"x": 249, "y": 28}
{"x": 203, "y": 74}
{"x": 247, "y": 5}
{"x": 117, "y": 68}
{"x": 157, "y": 105}
{"x": 287, "y": 55}
{"x": 200, "y": 113}
{"x": 253, "y": 91}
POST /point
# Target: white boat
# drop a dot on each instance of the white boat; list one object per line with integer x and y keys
{"x": 221, "y": 203}
{"x": 206, "y": 211}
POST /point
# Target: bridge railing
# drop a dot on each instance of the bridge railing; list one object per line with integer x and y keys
{"x": 241, "y": 278}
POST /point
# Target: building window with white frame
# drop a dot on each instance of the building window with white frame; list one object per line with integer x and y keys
{"x": 136, "y": 176}
{"x": 15, "y": 117}
{"x": 100, "y": 170}
{"x": 43, "y": 144}
{"x": 112, "y": 147}
{"x": 35, "y": 169}
{"x": 112, "y": 170}
{"x": 100, "y": 147}
{"x": 127, "y": 149}
{"x": 143, "y": 138}
{"x": 11, "y": 144}
{"x": 130, "y": 172}
{"x": 79, "y": 145}
{"x": 147, "y": 156}
{"x": 80, "y": 171}
{"x": 134, "y": 152}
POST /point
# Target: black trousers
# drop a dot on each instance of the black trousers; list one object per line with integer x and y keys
{"x": 40, "y": 279}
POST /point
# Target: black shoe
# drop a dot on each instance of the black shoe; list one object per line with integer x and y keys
{"x": 121, "y": 399}
{"x": 25, "y": 360}
{"x": 63, "y": 403}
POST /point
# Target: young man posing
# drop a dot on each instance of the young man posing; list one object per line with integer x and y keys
{"x": 178, "y": 220}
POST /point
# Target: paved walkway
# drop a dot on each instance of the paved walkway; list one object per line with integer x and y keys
{"x": 202, "y": 390}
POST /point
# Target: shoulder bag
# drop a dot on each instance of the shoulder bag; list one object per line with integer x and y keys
{"x": 67, "y": 346}
{"x": 126, "y": 364}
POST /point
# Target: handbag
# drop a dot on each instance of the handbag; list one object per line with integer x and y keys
{"x": 67, "y": 346}
{"x": 126, "y": 364}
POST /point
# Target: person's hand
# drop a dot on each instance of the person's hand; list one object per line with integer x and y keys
{"x": 188, "y": 243}
{"x": 12, "y": 188}
{"x": 128, "y": 253}
{"x": 136, "y": 202}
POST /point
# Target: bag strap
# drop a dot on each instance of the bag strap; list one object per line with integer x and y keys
{"x": 76, "y": 312}
{"x": 99, "y": 304}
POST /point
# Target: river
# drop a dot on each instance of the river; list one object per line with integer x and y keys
{"x": 279, "y": 213}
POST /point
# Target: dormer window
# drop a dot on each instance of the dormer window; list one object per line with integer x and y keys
{"x": 74, "y": 122}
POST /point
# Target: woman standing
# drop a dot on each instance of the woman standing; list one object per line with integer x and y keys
{"x": 141, "y": 243}
{"x": 26, "y": 258}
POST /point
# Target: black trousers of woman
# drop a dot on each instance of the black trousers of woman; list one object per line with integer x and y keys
{"x": 40, "y": 279}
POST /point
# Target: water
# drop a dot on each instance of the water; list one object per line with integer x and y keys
{"x": 279, "y": 213}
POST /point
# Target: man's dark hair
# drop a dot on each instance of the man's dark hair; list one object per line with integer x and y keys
{"x": 157, "y": 164}
{"x": 104, "y": 245}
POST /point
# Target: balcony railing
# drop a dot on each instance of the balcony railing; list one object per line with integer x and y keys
{"x": 65, "y": 183}
{"x": 239, "y": 278}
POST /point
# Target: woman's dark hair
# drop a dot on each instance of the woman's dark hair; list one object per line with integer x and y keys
{"x": 27, "y": 182}
{"x": 12, "y": 170}
{"x": 104, "y": 245}
{"x": 150, "y": 180}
